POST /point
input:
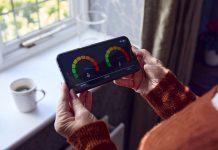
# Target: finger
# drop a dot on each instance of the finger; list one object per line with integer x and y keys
{"x": 88, "y": 101}
{"x": 77, "y": 105}
{"x": 139, "y": 55}
{"x": 153, "y": 61}
{"x": 142, "y": 54}
{"x": 130, "y": 77}
{"x": 64, "y": 91}
{"x": 127, "y": 77}
{"x": 64, "y": 99}
{"x": 82, "y": 96}
{"x": 73, "y": 94}
{"x": 137, "y": 51}
{"x": 124, "y": 82}
{"x": 149, "y": 59}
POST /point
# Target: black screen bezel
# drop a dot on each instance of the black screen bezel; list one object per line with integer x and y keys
{"x": 78, "y": 90}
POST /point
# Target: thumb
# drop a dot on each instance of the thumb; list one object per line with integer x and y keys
{"x": 78, "y": 107}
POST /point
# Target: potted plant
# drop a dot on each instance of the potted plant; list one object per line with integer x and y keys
{"x": 209, "y": 42}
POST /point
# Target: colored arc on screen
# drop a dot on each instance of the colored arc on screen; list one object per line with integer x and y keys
{"x": 115, "y": 48}
{"x": 80, "y": 58}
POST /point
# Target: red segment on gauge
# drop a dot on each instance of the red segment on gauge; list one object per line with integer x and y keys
{"x": 125, "y": 54}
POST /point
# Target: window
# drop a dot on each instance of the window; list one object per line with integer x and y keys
{"x": 24, "y": 21}
{"x": 19, "y": 17}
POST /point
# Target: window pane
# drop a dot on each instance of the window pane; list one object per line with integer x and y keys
{"x": 5, "y": 6}
{"x": 42, "y": 0}
{"x": 19, "y": 17}
{"x": 19, "y": 3}
{"x": 27, "y": 19}
{"x": 8, "y": 30}
{"x": 48, "y": 12}
{"x": 64, "y": 9}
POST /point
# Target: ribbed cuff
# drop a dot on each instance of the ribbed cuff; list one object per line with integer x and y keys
{"x": 169, "y": 96}
{"x": 91, "y": 136}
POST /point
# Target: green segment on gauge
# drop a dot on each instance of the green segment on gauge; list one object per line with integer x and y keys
{"x": 115, "y": 48}
{"x": 74, "y": 70}
{"x": 107, "y": 58}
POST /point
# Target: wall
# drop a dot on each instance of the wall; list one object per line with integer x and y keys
{"x": 124, "y": 17}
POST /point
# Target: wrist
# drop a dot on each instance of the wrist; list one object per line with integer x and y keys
{"x": 153, "y": 77}
{"x": 80, "y": 123}
{"x": 169, "y": 96}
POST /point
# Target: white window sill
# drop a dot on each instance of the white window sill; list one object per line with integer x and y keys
{"x": 45, "y": 44}
{"x": 16, "y": 127}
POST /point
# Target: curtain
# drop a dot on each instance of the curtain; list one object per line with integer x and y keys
{"x": 169, "y": 32}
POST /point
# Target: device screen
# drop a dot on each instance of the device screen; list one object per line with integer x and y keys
{"x": 96, "y": 64}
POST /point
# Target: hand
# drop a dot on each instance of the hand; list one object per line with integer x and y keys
{"x": 147, "y": 77}
{"x": 73, "y": 112}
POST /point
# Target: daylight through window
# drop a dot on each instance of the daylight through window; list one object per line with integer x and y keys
{"x": 20, "y": 17}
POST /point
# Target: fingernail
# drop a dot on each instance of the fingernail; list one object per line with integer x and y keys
{"x": 73, "y": 94}
{"x": 134, "y": 47}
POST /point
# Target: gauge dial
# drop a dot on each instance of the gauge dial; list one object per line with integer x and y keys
{"x": 116, "y": 56}
{"x": 87, "y": 67}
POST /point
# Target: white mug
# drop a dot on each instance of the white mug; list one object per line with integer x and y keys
{"x": 24, "y": 92}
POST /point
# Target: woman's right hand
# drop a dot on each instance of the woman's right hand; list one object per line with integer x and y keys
{"x": 73, "y": 111}
{"x": 150, "y": 74}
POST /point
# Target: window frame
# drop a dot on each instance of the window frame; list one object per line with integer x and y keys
{"x": 12, "y": 47}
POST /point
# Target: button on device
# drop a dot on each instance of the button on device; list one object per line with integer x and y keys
{"x": 83, "y": 85}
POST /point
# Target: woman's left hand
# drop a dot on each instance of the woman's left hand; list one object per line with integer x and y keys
{"x": 73, "y": 112}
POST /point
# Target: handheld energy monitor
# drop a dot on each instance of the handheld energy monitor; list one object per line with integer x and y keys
{"x": 91, "y": 66}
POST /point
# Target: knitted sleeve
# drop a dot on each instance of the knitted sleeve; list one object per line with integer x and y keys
{"x": 169, "y": 96}
{"x": 94, "y": 136}
{"x": 192, "y": 128}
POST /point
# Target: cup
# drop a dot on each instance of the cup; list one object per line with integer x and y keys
{"x": 24, "y": 92}
{"x": 95, "y": 23}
